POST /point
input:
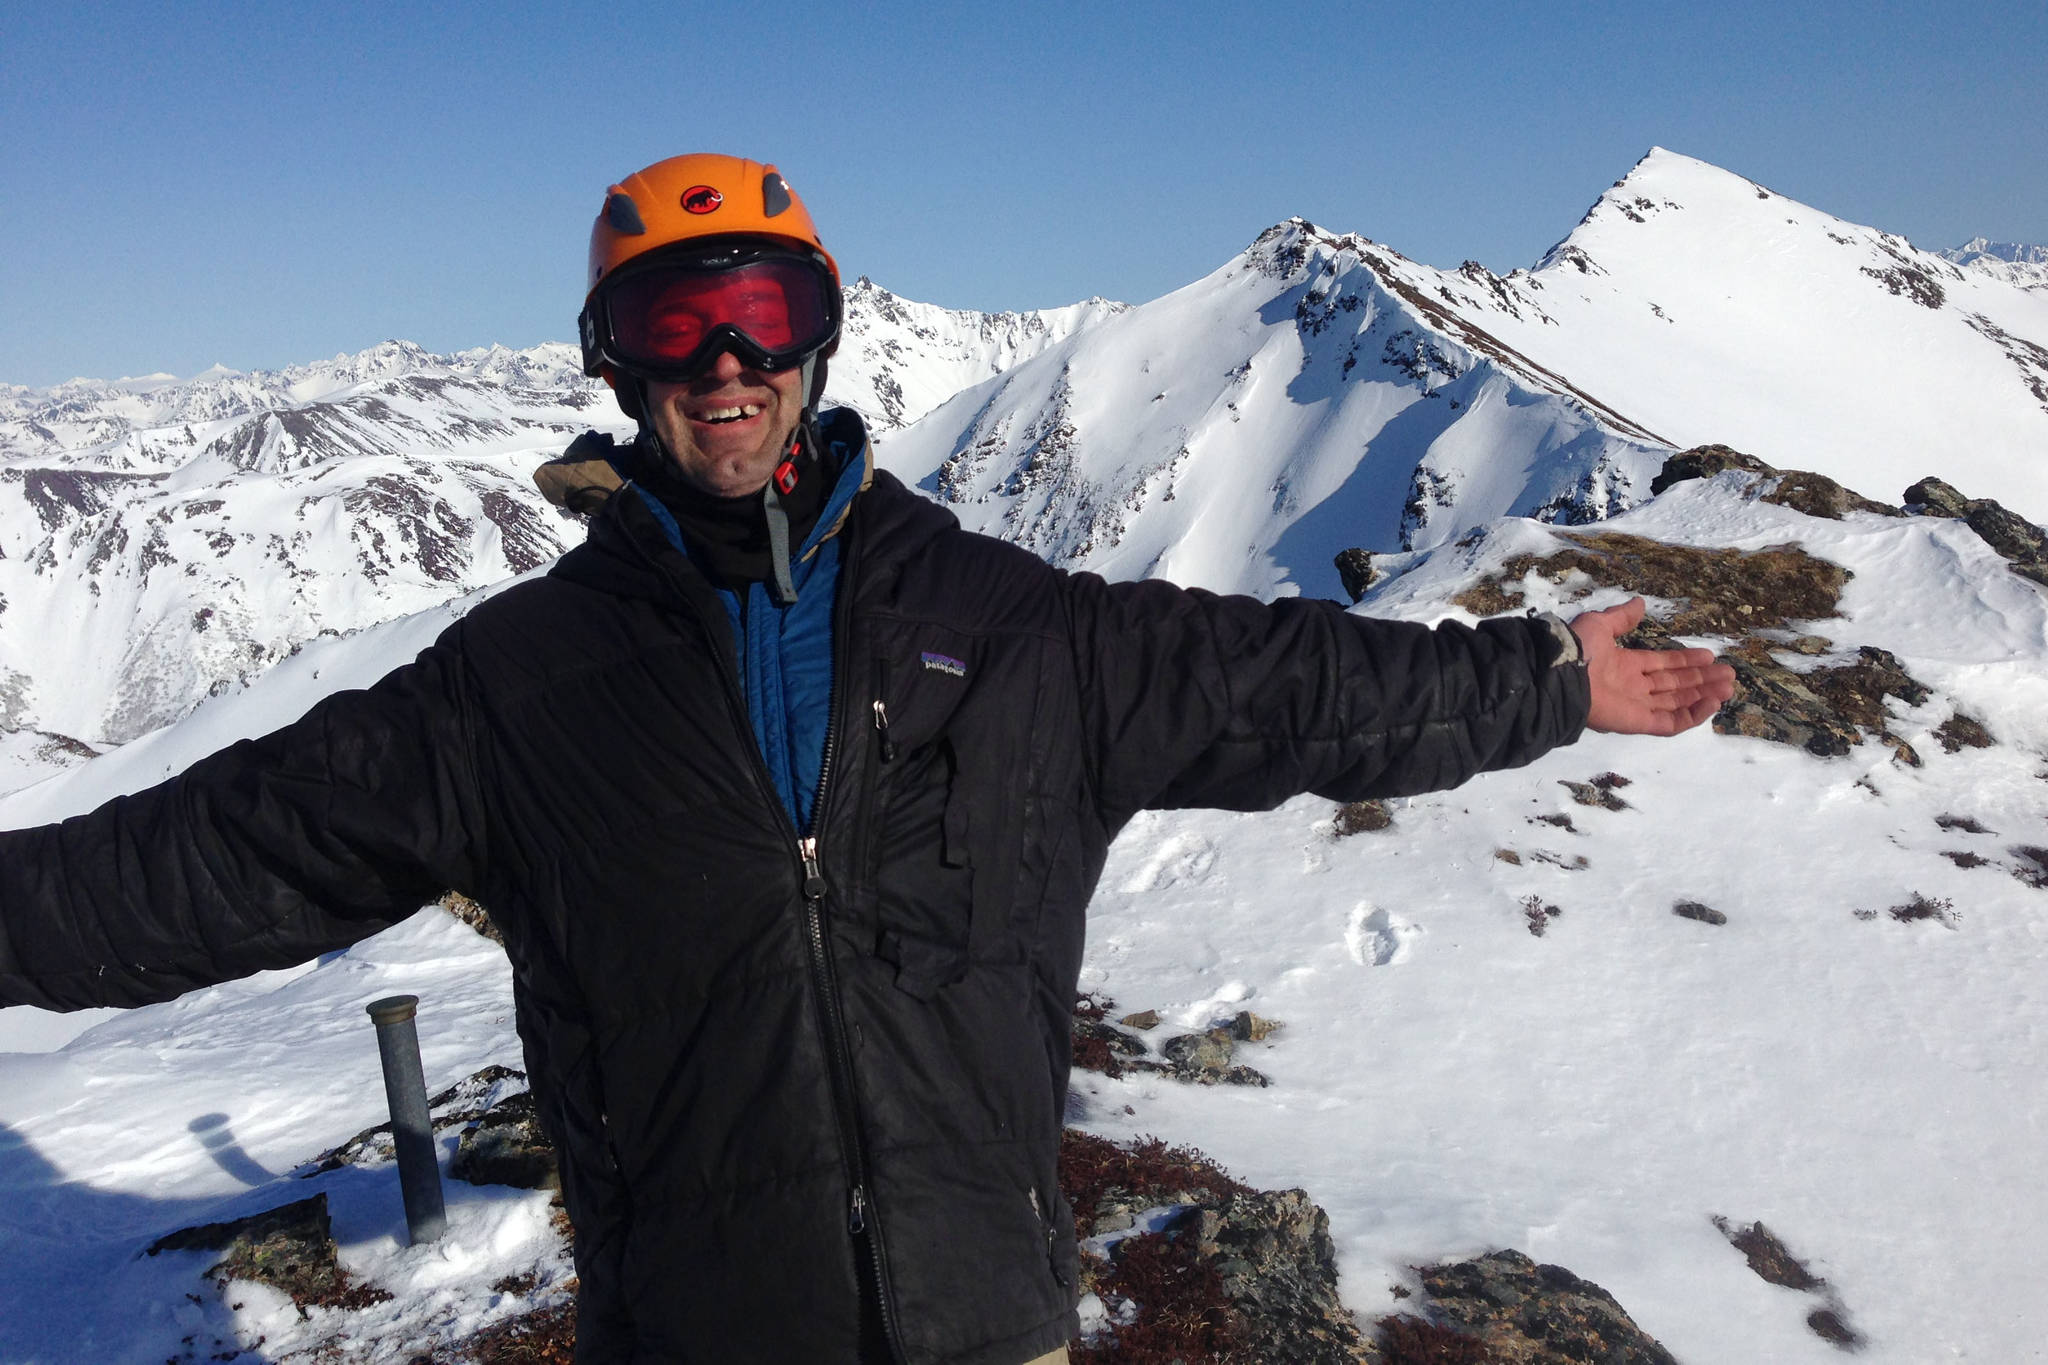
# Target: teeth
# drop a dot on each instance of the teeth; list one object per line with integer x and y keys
{"x": 729, "y": 414}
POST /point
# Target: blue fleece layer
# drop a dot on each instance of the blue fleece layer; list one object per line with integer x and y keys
{"x": 785, "y": 652}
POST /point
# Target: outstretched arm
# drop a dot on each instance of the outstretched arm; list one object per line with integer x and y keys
{"x": 266, "y": 854}
{"x": 1646, "y": 691}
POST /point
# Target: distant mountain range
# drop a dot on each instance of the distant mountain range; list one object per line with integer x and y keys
{"x": 2013, "y": 262}
{"x": 162, "y": 539}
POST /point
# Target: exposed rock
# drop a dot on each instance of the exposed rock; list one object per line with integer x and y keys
{"x": 1273, "y": 1253}
{"x": 1816, "y": 495}
{"x": 472, "y": 914}
{"x": 1522, "y": 1313}
{"x": 2018, "y": 541}
{"x": 1247, "y": 1027}
{"x": 1593, "y": 794}
{"x": 1362, "y": 817}
{"x": 1718, "y": 591}
{"x": 506, "y": 1146}
{"x": 1823, "y": 710}
{"x": 1234, "y": 1274}
{"x": 1705, "y": 914}
{"x": 463, "y": 1102}
{"x": 290, "y": 1248}
{"x": 1099, "y": 1046}
{"x": 1355, "y": 570}
{"x": 1767, "y": 1255}
{"x": 1773, "y": 1264}
{"x": 1206, "y": 1059}
{"x": 1960, "y": 732}
{"x": 1827, "y": 1324}
{"x": 1703, "y": 462}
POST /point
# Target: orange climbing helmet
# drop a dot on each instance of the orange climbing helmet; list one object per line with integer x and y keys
{"x": 703, "y": 253}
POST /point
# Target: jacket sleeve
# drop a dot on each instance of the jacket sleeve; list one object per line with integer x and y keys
{"x": 1191, "y": 699}
{"x": 261, "y": 856}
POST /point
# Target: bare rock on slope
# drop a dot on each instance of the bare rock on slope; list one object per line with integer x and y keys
{"x": 2017, "y": 540}
{"x": 1508, "y": 1310}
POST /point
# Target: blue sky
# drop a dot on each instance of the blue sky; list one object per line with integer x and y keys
{"x": 258, "y": 185}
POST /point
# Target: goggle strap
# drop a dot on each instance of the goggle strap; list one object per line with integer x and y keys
{"x": 810, "y": 374}
{"x": 778, "y": 543}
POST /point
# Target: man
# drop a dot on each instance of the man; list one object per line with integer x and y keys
{"x": 789, "y": 796}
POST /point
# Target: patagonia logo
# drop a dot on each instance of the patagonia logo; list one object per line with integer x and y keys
{"x": 944, "y": 663}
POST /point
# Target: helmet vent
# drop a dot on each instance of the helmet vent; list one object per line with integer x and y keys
{"x": 624, "y": 215}
{"x": 774, "y": 195}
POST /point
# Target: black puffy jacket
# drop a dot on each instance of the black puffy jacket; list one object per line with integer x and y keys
{"x": 804, "y": 1084}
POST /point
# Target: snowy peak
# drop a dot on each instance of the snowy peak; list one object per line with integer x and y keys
{"x": 1315, "y": 393}
{"x": 899, "y": 359}
{"x": 1711, "y": 308}
{"x": 2014, "y": 262}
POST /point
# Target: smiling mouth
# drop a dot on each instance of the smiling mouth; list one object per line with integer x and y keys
{"x": 719, "y": 416}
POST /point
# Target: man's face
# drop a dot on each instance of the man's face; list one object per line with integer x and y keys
{"x": 728, "y": 428}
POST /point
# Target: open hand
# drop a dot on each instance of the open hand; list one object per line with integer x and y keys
{"x": 1646, "y": 691}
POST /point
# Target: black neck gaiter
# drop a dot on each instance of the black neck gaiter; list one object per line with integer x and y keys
{"x": 728, "y": 537}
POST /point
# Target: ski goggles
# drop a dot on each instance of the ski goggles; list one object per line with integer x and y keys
{"x": 668, "y": 320}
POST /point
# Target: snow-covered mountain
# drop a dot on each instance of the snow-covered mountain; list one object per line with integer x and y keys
{"x": 899, "y": 359}
{"x": 1710, "y": 308}
{"x": 1306, "y": 397}
{"x": 2014, "y": 262}
{"x": 1323, "y": 391}
{"x": 161, "y": 541}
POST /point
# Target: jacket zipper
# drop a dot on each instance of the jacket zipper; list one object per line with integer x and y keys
{"x": 881, "y": 709}
{"x": 865, "y": 1231}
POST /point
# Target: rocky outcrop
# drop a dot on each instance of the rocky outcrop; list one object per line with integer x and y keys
{"x": 1792, "y": 686}
{"x": 465, "y": 1102}
{"x": 1816, "y": 495}
{"x": 1826, "y": 710}
{"x": 290, "y": 1248}
{"x": 1774, "y": 1264}
{"x": 1505, "y": 1309}
{"x": 2018, "y": 541}
{"x": 505, "y": 1146}
{"x": 1185, "y": 1263}
{"x": 1208, "y": 1057}
{"x": 1355, "y": 570}
{"x": 1716, "y": 591}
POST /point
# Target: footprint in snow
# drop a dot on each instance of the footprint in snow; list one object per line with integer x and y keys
{"x": 1379, "y": 938}
{"x": 1179, "y": 858}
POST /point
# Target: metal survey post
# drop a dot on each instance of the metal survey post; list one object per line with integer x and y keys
{"x": 412, "y": 1129}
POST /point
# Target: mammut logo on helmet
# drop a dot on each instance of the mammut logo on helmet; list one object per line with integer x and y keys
{"x": 701, "y": 199}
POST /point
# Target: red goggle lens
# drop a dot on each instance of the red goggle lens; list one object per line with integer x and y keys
{"x": 662, "y": 317}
